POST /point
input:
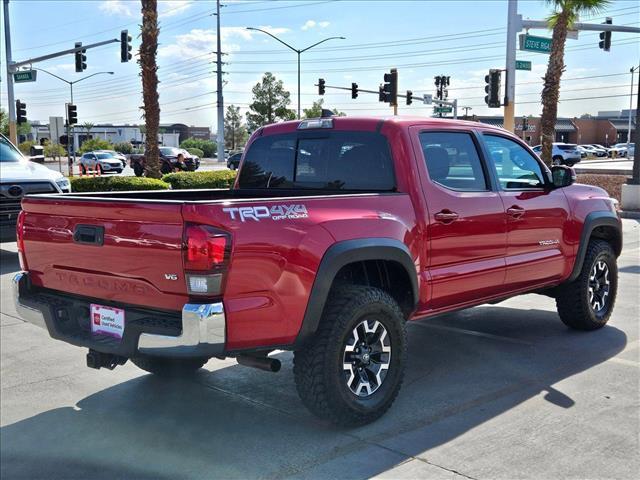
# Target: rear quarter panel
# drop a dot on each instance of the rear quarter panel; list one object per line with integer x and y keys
{"x": 274, "y": 262}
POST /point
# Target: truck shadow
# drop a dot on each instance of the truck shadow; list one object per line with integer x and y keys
{"x": 234, "y": 422}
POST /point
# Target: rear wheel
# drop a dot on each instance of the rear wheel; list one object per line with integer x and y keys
{"x": 587, "y": 302}
{"x": 557, "y": 160}
{"x": 169, "y": 367}
{"x": 351, "y": 371}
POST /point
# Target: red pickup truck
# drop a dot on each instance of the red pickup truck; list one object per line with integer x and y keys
{"x": 336, "y": 232}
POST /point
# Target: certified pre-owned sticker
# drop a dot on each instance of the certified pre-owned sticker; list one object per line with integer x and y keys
{"x": 276, "y": 212}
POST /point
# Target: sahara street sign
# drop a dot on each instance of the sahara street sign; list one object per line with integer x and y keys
{"x": 532, "y": 43}
{"x": 25, "y": 76}
{"x": 442, "y": 109}
{"x": 523, "y": 65}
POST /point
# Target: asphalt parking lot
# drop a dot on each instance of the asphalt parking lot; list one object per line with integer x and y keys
{"x": 500, "y": 392}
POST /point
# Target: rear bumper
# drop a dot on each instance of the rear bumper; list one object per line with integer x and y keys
{"x": 199, "y": 331}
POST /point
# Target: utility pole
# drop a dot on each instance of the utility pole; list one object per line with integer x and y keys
{"x": 631, "y": 71}
{"x": 513, "y": 22}
{"x": 13, "y": 131}
{"x": 220, "y": 137}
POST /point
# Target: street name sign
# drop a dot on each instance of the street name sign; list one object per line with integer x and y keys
{"x": 531, "y": 43}
{"x": 523, "y": 65}
{"x": 442, "y": 109}
{"x": 25, "y": 76}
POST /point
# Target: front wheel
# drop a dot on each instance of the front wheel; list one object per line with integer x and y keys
{"x": 169, "y": 367}
{"x": 587, "y": 302}
{"x": 351, "y": 371}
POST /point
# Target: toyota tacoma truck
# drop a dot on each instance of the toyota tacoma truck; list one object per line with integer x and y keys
{"x": 337, "y": 232}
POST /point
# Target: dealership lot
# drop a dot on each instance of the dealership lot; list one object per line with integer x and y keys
{"x": 502, "y": 391}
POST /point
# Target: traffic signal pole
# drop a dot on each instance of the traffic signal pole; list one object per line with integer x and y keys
{"x": 510, "y": 81}
{"x": 515, "y": 24}
{"x": 13, "y": 130}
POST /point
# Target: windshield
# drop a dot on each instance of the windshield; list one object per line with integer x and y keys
{"x": 103, "y": 156}
{"x": 170, "y": 151}
{"x": 9, "y": 153}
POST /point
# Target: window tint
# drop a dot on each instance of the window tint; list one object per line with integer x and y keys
{"x": 516, "y": 167}
{"x": 453, "y": 161}
{"x": 325, "y": 161}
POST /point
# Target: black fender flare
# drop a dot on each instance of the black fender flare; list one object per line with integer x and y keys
{"x": 341, "y": 254}
{"x": 591, "y": 222}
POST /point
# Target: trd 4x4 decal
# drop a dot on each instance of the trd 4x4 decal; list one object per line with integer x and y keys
{"x": 276, "y": 212}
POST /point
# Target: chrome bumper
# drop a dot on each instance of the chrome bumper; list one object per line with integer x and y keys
{"x": 29, "y": 314}
{"x": 203, "y": 327}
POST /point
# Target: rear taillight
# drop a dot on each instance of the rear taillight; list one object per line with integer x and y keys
{"x": 206, "y": 258}
{"x": 20, "y": 240}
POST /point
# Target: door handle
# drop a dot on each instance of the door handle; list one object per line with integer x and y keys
{"x": 515, "y": 211}
{"x": 446, "y": 216}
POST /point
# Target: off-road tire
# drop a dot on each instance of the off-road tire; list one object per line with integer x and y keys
{"x": 318, "y": 370}
{"x": 572, "y": 300}
{"x": 169, "y": 367}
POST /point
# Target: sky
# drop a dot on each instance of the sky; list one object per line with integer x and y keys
{"x": 422, "y": 39}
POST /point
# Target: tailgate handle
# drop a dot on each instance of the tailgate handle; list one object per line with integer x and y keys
{"x": 89, "y": 235}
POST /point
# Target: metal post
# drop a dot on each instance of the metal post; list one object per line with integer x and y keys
{"x": 13, "y": 131}
{"x": 455, "y": 109}
{"x": 220, "y": 136}
{"x": 635, "y": 179}
{"x": 632, "y": 70}
{"x": 510, "y": 81}
{"x": 299, "y": 84}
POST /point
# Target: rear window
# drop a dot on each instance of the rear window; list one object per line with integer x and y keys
{"x": 566, "y": 147}
{"x": 319, "y": 160}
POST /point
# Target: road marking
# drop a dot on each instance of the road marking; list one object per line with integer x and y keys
{"x": 472, "y": 333}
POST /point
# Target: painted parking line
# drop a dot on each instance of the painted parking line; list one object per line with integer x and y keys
{"x": 471, "y": 332}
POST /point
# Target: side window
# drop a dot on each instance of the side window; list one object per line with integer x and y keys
{"x": 516, "y": 168}
{"x": 453, "y": 161}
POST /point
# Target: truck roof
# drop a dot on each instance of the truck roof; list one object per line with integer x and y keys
{"x": 374, "y": 122}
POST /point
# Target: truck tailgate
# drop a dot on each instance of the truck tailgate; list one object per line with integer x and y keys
{"x": 138, "y": 261}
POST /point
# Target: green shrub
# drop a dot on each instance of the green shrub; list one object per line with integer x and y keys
{"x": 207, "y": 146}
{"x": 54, "y": 150}
{"x": 95, "y": 144}
{"x": 116, "y": 184}
{"x": 25, "y": 147}
{"x": 195, "y": 151}
{"x": 214, "y": 179}
{"x": 123, "y": 147}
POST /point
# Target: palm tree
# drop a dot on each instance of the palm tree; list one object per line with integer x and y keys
{"x": 88, "y": 126}
{"x": 149, "y": 73}
{"x": 565, "y": 14}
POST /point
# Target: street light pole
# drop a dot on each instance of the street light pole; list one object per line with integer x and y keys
{"x": 71, "y": 161}
{"x": 298, "y": 51}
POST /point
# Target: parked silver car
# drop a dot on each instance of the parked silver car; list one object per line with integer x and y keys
{"x": 115, "y": 154}
{"x": 106, "y": 162}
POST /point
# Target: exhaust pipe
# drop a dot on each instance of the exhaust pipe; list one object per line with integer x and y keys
{"x": 265, "y": 363}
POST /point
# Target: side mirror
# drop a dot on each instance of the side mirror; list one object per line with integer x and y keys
{"x": 562, "y": 176}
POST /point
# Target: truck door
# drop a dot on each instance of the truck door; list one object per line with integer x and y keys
{"x": 536, "y": 215}
{"x": 466, "y": 232}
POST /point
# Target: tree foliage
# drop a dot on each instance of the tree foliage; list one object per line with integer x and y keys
{"x": 95, "y": 144}
{"x": 207, "y": 146}
{"x": 235, "y": 132}
{"x": 4, "y": 122}
{"x": 54, "y": 150}
{"x": 270, "y": 102}
{"x": 149, "y": 73}
{"x": 562, "y": 19}
{"x": 315, "y": 111}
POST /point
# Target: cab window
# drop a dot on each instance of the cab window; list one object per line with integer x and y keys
{"x": 515, "y": 167}
{"x": 453, "y": 161}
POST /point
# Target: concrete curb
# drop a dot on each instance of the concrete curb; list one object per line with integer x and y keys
{"x": 633, "y": 214}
